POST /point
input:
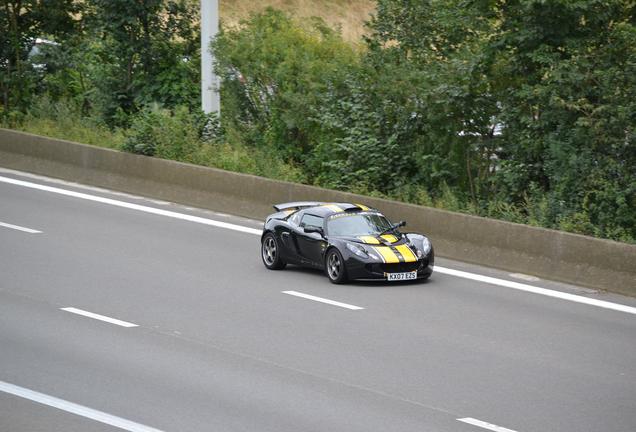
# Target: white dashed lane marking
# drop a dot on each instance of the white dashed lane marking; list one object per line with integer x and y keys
{"x": 19, "y": 228}
{"x": 322, "y": 300}
{"x": 485, "y": 425}
{"x": 98, "y": 317}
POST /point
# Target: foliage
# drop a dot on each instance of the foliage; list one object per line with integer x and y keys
{"x": 367, "y": 136}
{"x": 21, "y": 22}
{"x": 71, "y": 72}
{"x": 63, "y": 119}
{"x": 274, "y": 73}
{"x": 196, "y": 138}
{"x": 570, "y": 112}
{"x": 147, "y": 53}
{"x": 523, "y": 110}
{"x": 158, "y": 132}
{"x": 558, "y": 79}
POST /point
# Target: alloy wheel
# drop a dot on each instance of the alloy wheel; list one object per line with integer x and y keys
{"x": 269, "y": 251}
{"x": 334, "y": 266}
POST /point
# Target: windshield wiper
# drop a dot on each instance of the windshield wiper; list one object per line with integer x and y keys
{"x": 393, "y": 227}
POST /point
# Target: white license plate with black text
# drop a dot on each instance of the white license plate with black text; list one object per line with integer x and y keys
{"x": 401, "y": 276}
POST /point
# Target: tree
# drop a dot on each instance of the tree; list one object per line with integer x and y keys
{"x": 565, "y": 75}
{"x": 21, "y": 22}
{"x": 444, "y": 41}
{"x": 558, "y": 78}
{"x": 275, "y": 72}
{"x": 149, "y": 53}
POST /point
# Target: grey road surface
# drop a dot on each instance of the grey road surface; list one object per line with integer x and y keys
{"x": 219, "y": 347}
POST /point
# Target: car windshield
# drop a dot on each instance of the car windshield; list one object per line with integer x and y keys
{"x": 357, "y": 224}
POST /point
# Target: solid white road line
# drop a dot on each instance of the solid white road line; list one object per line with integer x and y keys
{"x": 322, "y": 300}
{"x": 240, "y": 228}
{"x": 19, "y": 228}
{"x": 537, "y": 290}
{"x": 485, "y": 425}
{"x": 74, "y": 408}
{"x": 98, "y": 317}
{"x": 131, "y": 206}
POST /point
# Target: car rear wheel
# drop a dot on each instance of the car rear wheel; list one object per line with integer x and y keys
{"x": 335, "y": 267}
{"x": 270, "y": 252}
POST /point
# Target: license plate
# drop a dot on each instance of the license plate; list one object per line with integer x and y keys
{"x": 401, "y": 276}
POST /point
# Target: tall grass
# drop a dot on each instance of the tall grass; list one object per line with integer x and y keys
{"x": 172, "y": 135}
{"x": 64, "y": 121}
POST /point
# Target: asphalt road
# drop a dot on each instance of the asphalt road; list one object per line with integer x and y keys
{"x": 218, "y": 346}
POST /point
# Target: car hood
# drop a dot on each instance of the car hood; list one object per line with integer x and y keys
{"x": 374, "y": 240}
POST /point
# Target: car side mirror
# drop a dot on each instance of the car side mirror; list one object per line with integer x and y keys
{"x": 314, "y": 229}
{"x": 401, "y": 224}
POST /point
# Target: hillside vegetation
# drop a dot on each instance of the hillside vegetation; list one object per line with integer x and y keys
{"x": 525, "y": 113}
{"x": 348, "y": 16}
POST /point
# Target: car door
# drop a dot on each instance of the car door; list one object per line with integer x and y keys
{"x": 288, "y": 238}
{"x": 310, "y": 245}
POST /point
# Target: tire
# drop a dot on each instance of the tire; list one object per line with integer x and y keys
{"x": 425, "y": 278}
{"x": 335, "y": 267}
{"x": 270, "y": 253}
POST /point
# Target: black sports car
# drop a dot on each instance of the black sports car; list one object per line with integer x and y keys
{"x": 348, "y": 241}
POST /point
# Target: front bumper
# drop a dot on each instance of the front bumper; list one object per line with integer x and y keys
{"x": 357, "y": 269}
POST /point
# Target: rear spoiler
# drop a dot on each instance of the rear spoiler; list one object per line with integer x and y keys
{"x": 296, "y": 205}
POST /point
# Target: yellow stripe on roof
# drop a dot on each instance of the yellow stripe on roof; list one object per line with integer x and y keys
{"x": 389, "y": 237}
{"x": 369, "y": 239}
{"x": 406, "y": 252}
{"x": 363, "y": 207}
{"x": 388, "y": 256}
{"x": 333, "y": 207}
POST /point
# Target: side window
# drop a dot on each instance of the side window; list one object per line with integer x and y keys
{"x": 295, "y": 218}
{"x": 311, "y": 220}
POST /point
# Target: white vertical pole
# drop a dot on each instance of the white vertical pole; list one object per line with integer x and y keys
{"x": 210, "y": 100}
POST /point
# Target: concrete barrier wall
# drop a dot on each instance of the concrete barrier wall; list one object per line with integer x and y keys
{"x": 545, "y": 253}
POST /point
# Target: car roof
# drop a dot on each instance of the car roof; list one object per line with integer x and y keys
{"x": 322, "y": 209}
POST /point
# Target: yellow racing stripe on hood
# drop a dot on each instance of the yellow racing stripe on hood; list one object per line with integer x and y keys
{"x": 406, "y": 252}
{"x": 388, "y": 256}
{"x": 389, "y": 237}
{"x": 369, "y": 239}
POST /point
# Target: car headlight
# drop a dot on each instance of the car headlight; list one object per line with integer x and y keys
{"x": 359, "y": 251}
{"x": 426, "y": 246}
{"x": 422, "y": 248}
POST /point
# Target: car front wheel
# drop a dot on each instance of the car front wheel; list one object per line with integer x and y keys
{"x": 335, "y": 267}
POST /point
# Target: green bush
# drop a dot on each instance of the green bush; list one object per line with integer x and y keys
{"x": 167, "y": 134}
{"x": 274, "y": 74}
{"x": 196, "y": 138}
